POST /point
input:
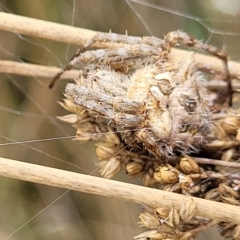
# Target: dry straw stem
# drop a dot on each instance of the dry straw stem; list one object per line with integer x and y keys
{"x": 114, "y": 189}
{"x": 78, "y": 36}
{"x": 33, "y": 70}
{"x": 216, "y": 162}
{"x": 39, "y": 71}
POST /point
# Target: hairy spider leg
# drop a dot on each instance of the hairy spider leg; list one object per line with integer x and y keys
{"x": 176, "y": 37}
{"x": 143, "y": 45}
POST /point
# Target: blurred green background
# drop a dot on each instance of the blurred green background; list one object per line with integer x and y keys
{"x": 28, "y": 109}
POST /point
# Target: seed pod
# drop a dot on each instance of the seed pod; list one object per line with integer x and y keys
{"x": 148, "y": 180}
{"x": 87, "y": 131}
{"x": 174, "y": 217}
{"x": 162, "y": 212}
{"x": 227, "y": 229}
{"x": 230, "y": 200}
{"x": 134, "y": 168}
{"x": 236, "y": 233}
{"x": 231, "y": 124}
{"x": 221, "y": 145}
{"x": 111, "y": 138}
{"x": 228, "y": 154}
{"x": 219, "y": 132}
{"x": 104, "y": 152}
{"x": 236, "y": 185}
{"x": 166, "y": 174}
{"x": 109, "y": 168}
{"x": 69, "y": 105}
{"x": 213, "y": 195}
{"x": 146, "y": 235}
{"x": 185, "y": 179}
{"x": 238, "y": 135}
{"x": 188, "y": 165}
{"x": 166, "y": 226}
{"x": 200, "y": 219}
{"x": 148, "y": 220}
{"x": 70, "y": 118}
{"x": 187, "y": 210}
{"x": 154, "y": 235}
{"x": 227, "y": 191}
{"x": 173, "y": 187}
{"x": 195, "y": 189}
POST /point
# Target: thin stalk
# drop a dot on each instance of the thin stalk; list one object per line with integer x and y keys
{"x": 34, "y": 70}
{"x": 216, "y": 162}
{"x": 79, "y": 36}
{"x": 114, "y": 189}
{"x": 39, "y": 71}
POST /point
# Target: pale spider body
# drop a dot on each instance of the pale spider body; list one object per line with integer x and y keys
{"x": 139, "y": 87}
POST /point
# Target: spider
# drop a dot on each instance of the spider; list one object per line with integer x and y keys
{"x": 140, "y": 87}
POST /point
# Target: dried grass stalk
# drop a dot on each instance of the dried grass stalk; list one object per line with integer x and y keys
{"x": 109, "y": 188}
{"x": 79, "y": 36}
{"x": 33, "y": 70}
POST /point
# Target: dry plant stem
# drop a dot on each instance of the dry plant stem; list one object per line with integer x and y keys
{"x": 109, "y": 188}
{"x": 216, "y": 162}
{"x": 43, "y": 29}
{"x": 33, "y": 70}
{"x": 199, "y": 229}
{"x": 72, "y": 35}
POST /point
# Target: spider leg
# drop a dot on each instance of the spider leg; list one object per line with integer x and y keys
{"x": 132, "y": 51}
{"x": 69, "y": 66}
{"x": 176, "y": 37}
{"x": 162, "y": 153}
{"x": 66, "y": 68}
{"x": 106, "y": 39}
{"x": 121, "y": 112}
{"x": 133, "y": 56}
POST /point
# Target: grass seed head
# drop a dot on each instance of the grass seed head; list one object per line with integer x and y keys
{"x": 187, "y": 210}
{"x": 166, "y": 174}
